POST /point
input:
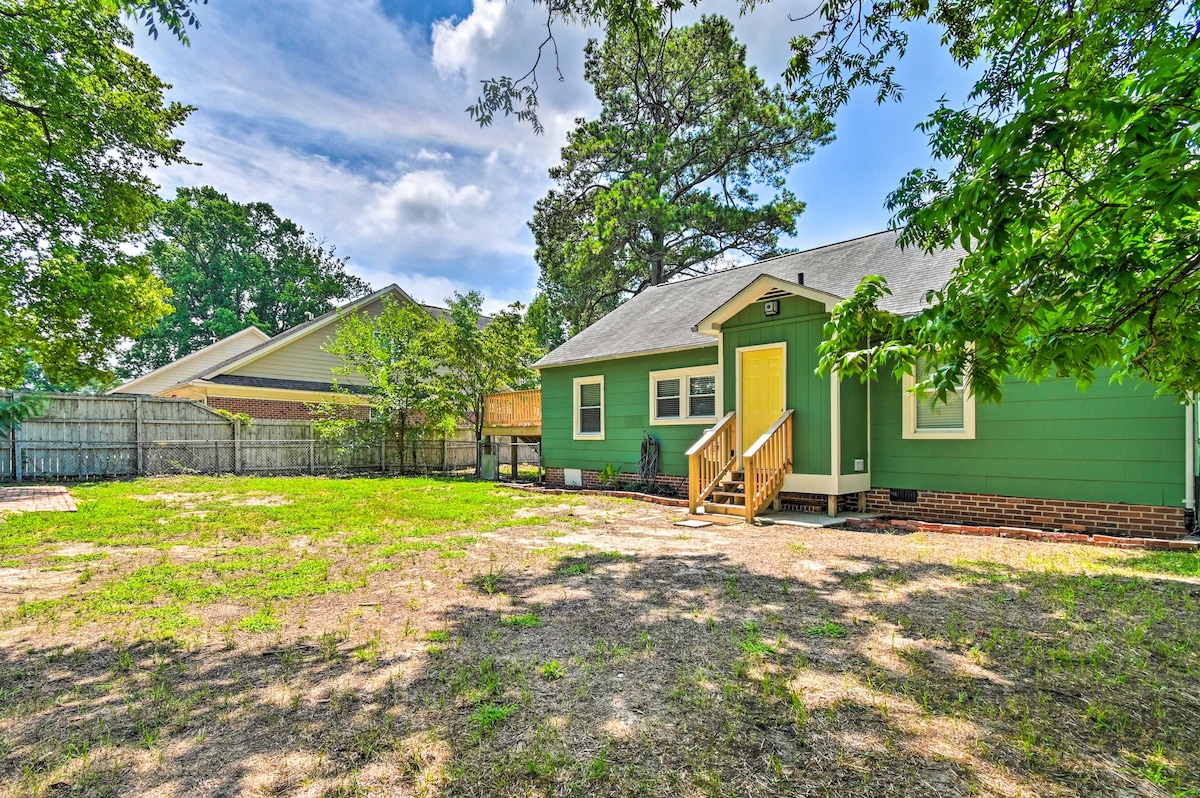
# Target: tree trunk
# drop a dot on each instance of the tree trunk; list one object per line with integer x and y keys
{"x": 658, "y": 254}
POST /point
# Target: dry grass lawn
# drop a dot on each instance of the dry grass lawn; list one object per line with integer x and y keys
{"x": 314, "y": 637}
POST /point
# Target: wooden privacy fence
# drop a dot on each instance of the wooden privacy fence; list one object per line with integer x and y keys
{"x": 91, "y": 437}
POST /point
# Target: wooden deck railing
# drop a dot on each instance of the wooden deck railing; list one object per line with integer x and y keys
{"x": 513, "y": 409}
{"x": 766, "y": 462}
{"x": 710, "y": 459}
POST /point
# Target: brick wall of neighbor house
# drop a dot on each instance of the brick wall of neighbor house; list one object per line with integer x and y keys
{"x": 270, "y": 408}
{"x": 1141, "y": 520}
{"x": 591, "y": 480}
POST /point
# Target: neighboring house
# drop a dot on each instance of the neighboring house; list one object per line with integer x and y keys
{"x": 725, "y": 365}
{"x": 268, "y": 377}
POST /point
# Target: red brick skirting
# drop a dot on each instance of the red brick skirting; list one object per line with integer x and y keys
{"x": 591, "y": 480}
{"x": 271, "y": 408}
{"x": 979, "y": 509}
{"x": 1127, "y": 520}
{"x": 664, "y": 501}
{"x": 1107, "y": 541}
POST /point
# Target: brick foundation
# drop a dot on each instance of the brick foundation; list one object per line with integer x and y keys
{"x": 1137, "y": 520}
{"x": 591, "y": 480}
{"x": 817, "y": 502}
{"x": 1125, "y": 520}
{"x": 271, "y": 408}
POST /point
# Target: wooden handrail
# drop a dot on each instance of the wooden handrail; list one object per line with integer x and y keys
{"x": 710, "y": 459}
{"x": 710, "y": 433}
{"x": 762, "y": 439}
{"x": 767, "y": 462}
{"x": 513, "y": 409}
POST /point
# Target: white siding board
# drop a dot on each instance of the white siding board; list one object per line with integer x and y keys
{"x": 303, "y": 358}
{"x": 184, "y": 369}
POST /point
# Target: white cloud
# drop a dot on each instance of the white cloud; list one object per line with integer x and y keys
{"x": 424, "y": 197}
{"x": 318, "y": 106}
{"x": 457, "y": 43}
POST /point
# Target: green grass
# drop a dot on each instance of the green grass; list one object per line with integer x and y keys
{"x": 751, "y": 641}
{"x": 382, "y": 518}
{"x": 830, "y": 631}
{"x": 519, "y": 669}
{"x": 526, "y": 621}
{"x": 489, "y": 715}
{"x": 1177, "y": 563}
{"x": 166, "y": 592}
{"x": 262, "y": 621}
{"x": 552, "y": 671}
{"x": 73, "y": 558}
{"x": 359, "y": 512}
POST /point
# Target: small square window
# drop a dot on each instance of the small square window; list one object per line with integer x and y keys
{"x": 935, "y": 416}
{"x": 926, "y": 417}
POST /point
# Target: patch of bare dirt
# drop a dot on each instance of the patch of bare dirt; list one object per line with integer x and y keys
{"x": 257, "y": 500}
{"x": 182, "y": 500}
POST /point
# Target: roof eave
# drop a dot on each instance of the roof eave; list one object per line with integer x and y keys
{"x": 539, "y": 366}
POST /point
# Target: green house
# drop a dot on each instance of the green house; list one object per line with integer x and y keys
{"x": 721, "y": 371}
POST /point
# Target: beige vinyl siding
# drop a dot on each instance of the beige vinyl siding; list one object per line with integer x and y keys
{"x": 187, "y": 367}
{"x": 303, "y": 358}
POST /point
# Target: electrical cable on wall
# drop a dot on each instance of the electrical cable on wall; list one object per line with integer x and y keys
{"x": 648, "y": 464}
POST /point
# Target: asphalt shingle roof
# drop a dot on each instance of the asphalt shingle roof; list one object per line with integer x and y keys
{"x": 292, "y": 332}
{"x": 662, "y": 317}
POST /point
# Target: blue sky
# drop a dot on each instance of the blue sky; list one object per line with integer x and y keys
{"x": 347, "y": 116}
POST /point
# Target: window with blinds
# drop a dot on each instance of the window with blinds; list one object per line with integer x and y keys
{"x": 935, "y": 416}
{"x": 591, "y": 408}
{"x": 667, "y": 399}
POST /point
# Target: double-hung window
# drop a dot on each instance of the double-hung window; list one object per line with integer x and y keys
{"x": 927, "y": 417}
{"x": 683, "y": 396}
{"x": 589, "y": 408}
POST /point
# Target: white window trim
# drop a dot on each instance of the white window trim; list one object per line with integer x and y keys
{"x": 586, "y": 436}
{"x": 682, "y": 375}
{"x": 967, "y": 433}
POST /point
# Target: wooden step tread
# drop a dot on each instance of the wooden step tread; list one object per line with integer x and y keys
{"x": 725, "y": 509}
{"x": 717, "y": 518}
{"x": 729, "y": 494}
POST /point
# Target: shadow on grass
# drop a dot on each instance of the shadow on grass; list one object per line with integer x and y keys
{"x": 610, "y": 674}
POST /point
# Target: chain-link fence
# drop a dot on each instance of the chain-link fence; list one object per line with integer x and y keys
{"x": 83, "y": 460}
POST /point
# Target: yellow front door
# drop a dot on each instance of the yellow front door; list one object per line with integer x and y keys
{"x": 761, "y": 391}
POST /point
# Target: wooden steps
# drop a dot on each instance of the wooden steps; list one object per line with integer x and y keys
{"x": 718, "y": 487}
{"x": 730, "y": 496}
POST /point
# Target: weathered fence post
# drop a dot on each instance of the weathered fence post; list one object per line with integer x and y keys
{"x": 382, "y": 453}
{"x": 237, "y": 446}
{"x": 16, "y": 446}
{"x": 512, "y": 452}
{"x": 312, "y": 451}
{"x": 139, "y": 436}
{"x": 443, "y": 455}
